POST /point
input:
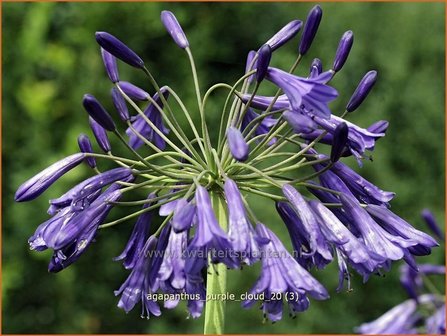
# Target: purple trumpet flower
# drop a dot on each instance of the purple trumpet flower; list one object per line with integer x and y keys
{"x": 142, "y": 127}
{"x": 285, "y": 34}
{"x": 399, "y": 227}
{"x": 298, "y": 236}
{"x": 77, "y": 197}
{"x": 39, "y": 183}
{"x": 174, "y": 29}
{"x": 80, "y": 237}
{"x": 310, "y": 95}
{"x": 378, "y": 240}
{"x": 311, "y": 229}
{"x": 152, "y": 283}
{"x": 133, "y": 91}
{"x": 100, "y": 135}
{"x": 430, "y": 219}
{"x": 339, "y": 142}
{"x": 135, "y": 287}
{"x": 310, "y": 29}
{"x": 248, "y": 66}
{"x": 237, "y": 144}
{"x": 118, "y": 49}
{"x": 282, "y": 277}
{"x": 209, "y": 238}
{"x": 242, "y": 235}
{"x": 86, "y": 147}
{"x": 110, "y": 64}
{"x": 342, "y": 53}
{"x": 398, "y": 320}
{"x": 362, "y": 91}
{"x": 97, "y": 112}
{"x": 350, "y": 250}
{"x": 172, "y": 268}
{"x": 264, "y": 56}
{"x": 138, "y": 237}
{"x": 120, "y": 104}
{"x": 299, "y": 122}
{"x": 184, "y": 214}
{"x": 262, "y": 127}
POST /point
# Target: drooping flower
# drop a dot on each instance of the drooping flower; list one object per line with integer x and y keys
{"x": 184, "y": 214}
{"x": 282, "y": 278}
{"x": 36, "y": 185}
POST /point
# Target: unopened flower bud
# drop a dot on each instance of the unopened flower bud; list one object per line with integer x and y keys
{"x": 110, "y": 65}
{"x": 264, "y": 56}
{"x": 342, "y": 53}
{"x": 98, "y": 112}
{"x": 362, "y": 91}
{"x": 86, "y": 147}
{"x": 238, "y": 145}
{"x": 285, "y": 34}
{"x": 340, "y": 138}
{"x": 174, "y": 29}
{"x": 120, "y": 104}
{"x": 133, "y": 91}
{"x": 310, "y": 29}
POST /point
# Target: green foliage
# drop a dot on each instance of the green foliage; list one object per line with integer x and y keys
{"x": 50, "y": 59}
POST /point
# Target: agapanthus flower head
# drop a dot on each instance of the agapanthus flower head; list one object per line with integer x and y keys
{"x": 285, "y": 34}
{"x": 118, "y": 49}
{"x": 85, "y": 146}
{"x": 342, "y": 53}
{"x": 174, "y": 29}
{"x": 310, "y": 29}
{"x": 110, "y": 65}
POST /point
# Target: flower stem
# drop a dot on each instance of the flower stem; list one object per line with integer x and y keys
{"x": 216, "y": 281}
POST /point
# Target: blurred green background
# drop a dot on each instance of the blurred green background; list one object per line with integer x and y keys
{"x": 50, "y": 59}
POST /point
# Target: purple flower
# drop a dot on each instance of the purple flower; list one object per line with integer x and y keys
{"x": 120, "y": 104}
{"x": 310, "y": 95}
{"x": 411, "y": 279}
{"x": 209, "y": 238}
{"x": 248, "y": 66}
{"x": 183, "y": 215}
{"x": 310, "y": 29}
{"x": 263, "y": 102}
{"x": 138, "y": 237}
{"x": 133, "y": 91}
{"x": 282, "y": 277}
{"x": 110, "y": 65}
{"x": 172, "y": 269}
{"x": 299, "y": 122}
{"x": 42, "y": 181}
{"x": 398, "y": 320}
{"x": 86, "y": 147}
{"x": 316, "y": 68}
{"x": 379, "y": 127}
{"x": 77, "y": 197}
{"x": 311, "y": 229}
{"x": 299, "y": 238}
{"x": 435, "y": 324}
{"x": 135, "y": 287}
{"x": 78, "y": 232}
{"x": 118, "y": 49}
{"x": 262, "y": 127}
{"x": 362, "y": 91}
{"x": 264, "y": 56}
{"x": 339, "y": 141}
{"x": 174, "y": 29}
{"x": 430, "y": 219}
{"x": 242, "y": 235}
{"x": 342, "y": 53}
{"x": 142, "y": 127}
{"x": 285, "y": 34}
{"x": 97, "y": 112}
{"x": 237, "y": 144}
{"x": 100, "y": 135}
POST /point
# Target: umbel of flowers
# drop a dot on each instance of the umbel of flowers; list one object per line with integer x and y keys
{"x": 200, "y": 188}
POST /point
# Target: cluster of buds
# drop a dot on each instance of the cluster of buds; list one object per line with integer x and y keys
{"x": 200, "y": 188}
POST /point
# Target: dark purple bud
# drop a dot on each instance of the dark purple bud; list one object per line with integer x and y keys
{"x": 264, "y": 56}
{"x": 118, "y": 49}
{"x": 340, "y": 138}
{"x": 86, "y": 147}
{"x": 285, "y": 34}
{"x": 42, "y": 181}
{"x": 379, "y": 127}
{"x": 133, "y": 91}
{"x": 120, "y": 104}
{"x": 248, "y": 66}
{"x": 316, "y": 63}
{"x": 100, "y": 135}
{"x": 362, "y": 91}
{"x": 429, "y": 218}
{"x": 110, "y": 65}
{"x": 344, "y": 47}
{"x": 238, "y": 145}
{"x": 98, "y": 112}
{"x": 310, "y": 29}
{"x": 300, "y": 123}
{"x": 174, "y": 29}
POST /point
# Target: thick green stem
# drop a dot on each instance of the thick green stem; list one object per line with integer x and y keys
{"x": 216, "y": 281}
